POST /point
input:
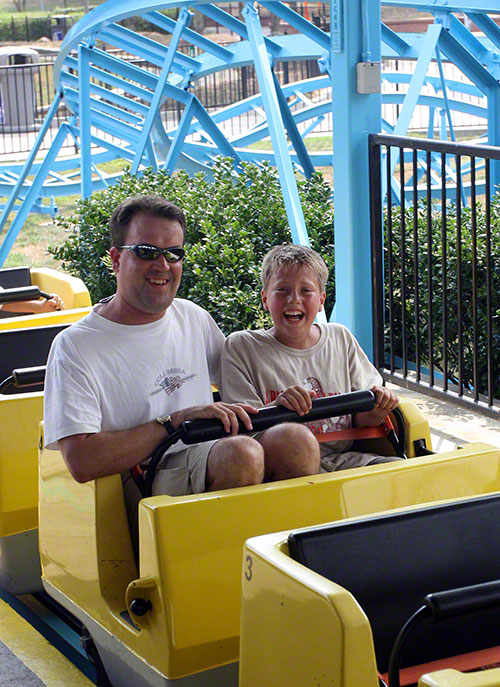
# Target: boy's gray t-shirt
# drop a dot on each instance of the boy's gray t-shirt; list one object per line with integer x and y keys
{"x": 256, "y": 368}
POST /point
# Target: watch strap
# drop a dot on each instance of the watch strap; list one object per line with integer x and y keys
{"x": 166, "y": 422}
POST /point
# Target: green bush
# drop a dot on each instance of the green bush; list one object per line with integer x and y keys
{"x": 441, "y": 274}
{"x": 232, "y": 222}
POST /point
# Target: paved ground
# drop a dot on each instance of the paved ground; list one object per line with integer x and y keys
{"x": 452, "y": 425}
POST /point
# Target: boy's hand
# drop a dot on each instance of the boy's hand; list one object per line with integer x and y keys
{"x": 385, "y": 401}
{"x": 54, "y": 303}
{"x": 296, "y": 398}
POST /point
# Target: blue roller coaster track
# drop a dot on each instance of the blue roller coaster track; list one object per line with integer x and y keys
{"x": 116, "y": 103}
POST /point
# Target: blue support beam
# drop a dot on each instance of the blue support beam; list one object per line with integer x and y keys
{"x": 85, "y": 121}
{"x": 355, "y": 116}
{"x": 23, "y": 174}
{"x": 293, "y": 132}
{"x": 31, "y": 196}
{"x": 276, "y": 127}
{"x": 298, "y": 22}
{"x": 163, "y": 22}
{"x": 182, "y": 22}
{"x": 394, "y": 41}
{"x": 487, "y": 26}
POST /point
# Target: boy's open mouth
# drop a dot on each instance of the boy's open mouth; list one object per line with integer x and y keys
{"x": 294, "y": 315}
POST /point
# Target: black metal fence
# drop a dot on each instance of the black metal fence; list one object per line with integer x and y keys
{"x": 26, "y": 92}
{"x": 435, "y": 219}
{"x": 28, "y": 29}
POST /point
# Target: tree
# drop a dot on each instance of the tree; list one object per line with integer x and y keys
{"x": 20, "y": 5}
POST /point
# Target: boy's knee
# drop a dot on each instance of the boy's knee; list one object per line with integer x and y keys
{"x": 235, "y": 462}
{"x": 291, "y": 450}
{"x": 290, "y": 436}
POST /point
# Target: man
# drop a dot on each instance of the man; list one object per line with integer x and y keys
{"x": 141, "y": 363}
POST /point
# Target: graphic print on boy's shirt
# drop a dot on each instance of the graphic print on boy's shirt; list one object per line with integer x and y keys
{"x": 333, "y": 424}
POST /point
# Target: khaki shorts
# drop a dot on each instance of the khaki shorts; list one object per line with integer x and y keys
{"x": 352, "y": 459}
{"x": 183, "y": 472}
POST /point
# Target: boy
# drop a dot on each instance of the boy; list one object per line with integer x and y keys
{"x": 298, "y": 360}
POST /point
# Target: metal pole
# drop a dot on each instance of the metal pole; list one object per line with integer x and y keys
{"x": 355, "y": 116}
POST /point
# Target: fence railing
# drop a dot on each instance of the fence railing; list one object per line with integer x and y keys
{"x": 436, "y": 266}
{"x": 28, "y": 29}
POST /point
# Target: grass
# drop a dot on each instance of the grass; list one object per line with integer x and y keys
{"x": 40, "y": 231}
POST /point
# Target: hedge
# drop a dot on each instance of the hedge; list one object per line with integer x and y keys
{"x": 417, "y": 313}
{"x": 232, "y": 221}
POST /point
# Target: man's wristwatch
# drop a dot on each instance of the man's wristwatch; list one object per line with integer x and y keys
{"x": 166, "y": 422}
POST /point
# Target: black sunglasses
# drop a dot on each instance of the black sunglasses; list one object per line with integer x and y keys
{"x": 146, "y": 252}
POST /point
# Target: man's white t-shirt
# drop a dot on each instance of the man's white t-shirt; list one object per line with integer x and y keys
{"x": 104, "y": 376}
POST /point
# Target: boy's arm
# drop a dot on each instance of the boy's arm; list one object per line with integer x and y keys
{"x": 385, "y": 401}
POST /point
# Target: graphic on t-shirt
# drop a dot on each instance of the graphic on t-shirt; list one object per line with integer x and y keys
{"x": 332, "y": 424}
{"x": 170, "y": 380}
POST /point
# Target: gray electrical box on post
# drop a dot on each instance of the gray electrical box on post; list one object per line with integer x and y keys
{"x": 18, "y": 69}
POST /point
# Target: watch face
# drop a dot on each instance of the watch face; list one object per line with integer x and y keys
{"x": 166, "y": 422}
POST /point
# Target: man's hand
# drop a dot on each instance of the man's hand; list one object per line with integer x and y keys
{"x": 296, "y": 398}
{"x": 227, "y": 413}
{"x": 385, "y": 401}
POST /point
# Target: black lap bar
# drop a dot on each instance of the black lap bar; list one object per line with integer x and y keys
{"x": 28, "y": 376}
{"x": 21, "y": 293}
{"x": 456, "y": 602}
{"x": 196, "y": 431}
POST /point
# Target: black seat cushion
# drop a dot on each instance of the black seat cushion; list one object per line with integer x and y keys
{"x": 390, "y": 562}
{"x": 28, "y": 347}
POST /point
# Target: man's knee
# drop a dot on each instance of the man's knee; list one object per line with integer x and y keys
{"x": 235, "y": 462}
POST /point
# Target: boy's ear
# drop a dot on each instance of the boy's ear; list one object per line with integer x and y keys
{"x": 321, "y": 301}
{"x": 264, "y": 300}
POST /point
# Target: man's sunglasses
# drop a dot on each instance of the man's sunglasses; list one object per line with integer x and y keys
{"x": 146, "y": 252}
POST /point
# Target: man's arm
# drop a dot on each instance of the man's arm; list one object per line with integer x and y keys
{"x": 89, "y": 456}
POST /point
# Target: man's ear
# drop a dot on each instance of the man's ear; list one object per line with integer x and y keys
{"x": 264, "y": 300}
{"x": 115, "y": 254}
{"x": 321, "y": 301}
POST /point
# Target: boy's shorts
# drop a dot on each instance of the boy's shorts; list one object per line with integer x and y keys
{"x": 183, "y": 472}
{"x": 352, "y": 459}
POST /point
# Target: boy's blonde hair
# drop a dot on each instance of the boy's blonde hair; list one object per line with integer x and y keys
{"x": 291, "y": 256}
